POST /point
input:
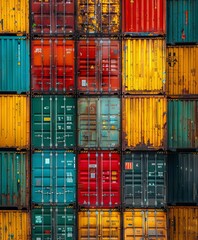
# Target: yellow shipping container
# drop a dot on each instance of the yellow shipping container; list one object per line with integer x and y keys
{"x": 14, "y": 225}
{"x": 182, "y": 74}
{"x": 144, "y": 63}
{"x": 183, "y": 223}
{"x": 14, "y": 121}
{"x": 105, "y": 224}
{"x": 14, "y": 17}
{"x": 145, "y": 224}
{"x": 144, "y": 122}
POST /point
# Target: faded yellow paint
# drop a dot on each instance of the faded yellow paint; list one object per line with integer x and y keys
{"x": 144, "y": 63}
{"x": 14, "y": 121}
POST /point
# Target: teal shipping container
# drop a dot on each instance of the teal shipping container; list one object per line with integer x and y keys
{"x": 53, "y": 122}
{"x": 182, "y": 24}
{"x": 53, "y": 177}
{"x": 53, "y": 223}
{"x": 14, "y": 180}
{"x": 14, "y": 64}
{"x": 183, "y": 124}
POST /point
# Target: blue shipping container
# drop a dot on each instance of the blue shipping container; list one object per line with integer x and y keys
{"x": 14, "y": 64}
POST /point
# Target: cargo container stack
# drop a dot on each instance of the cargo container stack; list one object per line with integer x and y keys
{"x": 182, "y": 91}
{"x": 53, "y": 120}
{"x": 144, "y": 112}
{"x": 14, "y": 120}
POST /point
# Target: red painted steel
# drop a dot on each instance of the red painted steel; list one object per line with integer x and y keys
{"x": 99, "y": 65}
{"x": 99, "y": 179}
{"x": 52, "y": 65}
{"x": 144, "y": 17}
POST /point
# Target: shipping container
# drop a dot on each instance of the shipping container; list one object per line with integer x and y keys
{"x": 143, "y": 18}
{"x": 50, "y": 223}
{"x": 14, "y": 225}
{"x": 53, "y": 122}
{"x": 99, "y": 179}
{"x": 99, "y": 224}
{"x": 142, "y": 224}
{"x": 182, "y": 124}
{"x": 101, "y": 17}
{"x": 182, "y": 24}
{"x": 14, "y": 121}
{"x": 14, "y": 180}
{"x": 52, "y": 66}
{"x": 144, "y": 179}
{"x": 99, "y": 68}
{"x": 144, "y": 66}
{"x": 14, "y": 64}
{"x": 182, "y": 76}
{"x": 99, "y": 122}
{"x": 53, "y": 178}
{"x": 14, "y": 17}
{"x": 182, "y": 178}
{"x": 144, "y": 122}
{"x": 52, "y": 17}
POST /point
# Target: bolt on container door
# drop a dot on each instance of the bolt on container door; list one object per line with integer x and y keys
{"x": 99, "y": 179}
{"x": 182, "y": 178}
{"x": 99, "y": 224}
{"x": 14, "y": 64}
{"x": 145, "y": 224}
{"x": 182, "y": 76}
{"x": 144, "y": 180}
{"x": 99, "y": 66}
{"x": 182, "y": 24}
{"x": 144, "y": 123}
{"x": 102, "y": 17}
{"x": 99, "y": 122}
{"x": 52, "y": 17}
{"x": 53, "y": 177}
{"x": 53, "y": 223}
{"x": 53, "y": 122}
{"x": 182, "y": 124}
{"x": 143, "y": 18}
{"x": 52, "y": 65}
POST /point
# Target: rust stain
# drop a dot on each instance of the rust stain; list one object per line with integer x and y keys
{"x": 186, "y": 14}
{"x": 183, "y": 34}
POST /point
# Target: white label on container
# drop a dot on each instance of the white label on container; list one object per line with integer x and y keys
{"x": 38, "y": 238}
{"x": 38, "y": 219}
{"x": 47, "y": 161}
{"x": 84, "y": 83}
{"x": 92, "y": 165}
{"x": 93, "y": 175}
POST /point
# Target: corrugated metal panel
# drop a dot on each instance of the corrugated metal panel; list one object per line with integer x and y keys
{"x": 99, "y": 65}
{"x": 144, "y": 123}
{"x": 99, "y": 224}
{"x": 53, "y": 223}
{"x": 14, "y": 17}
{"x": 99, "y": 122}
{"x": 144, "y": 180}
{"x": 14, "y": 64}
{"x": 101, "y": 17}
{"x": 14, "y": 225}
{"x": 53, "y": 122}
{"x": 52, "y": 65}
{"x": 14, "y": 180}
{"x": 53, "y": 177}
{"x": 182, "y": 24}
{"x": 182, "y": 74}
{"x": 182, "y": 124}
{"x": 182, "y": 178}
{"x": 144, "y": 66}
{"x": 14, "y": 121}
{"x": 144, "y": 18}
{"x": 145, "y": 224}
{"x": 99, "y": 179}
{"x": 183, "y": 223}
{"x": 52, "y": 17}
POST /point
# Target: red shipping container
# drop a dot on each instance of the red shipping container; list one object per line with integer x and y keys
{"x": 52, "y": 65}
{"x": 99, "y": 179}
{"x": 52, "y": 17}
{"x": 99, "y": 66}
{"x": 143, "y": 17}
